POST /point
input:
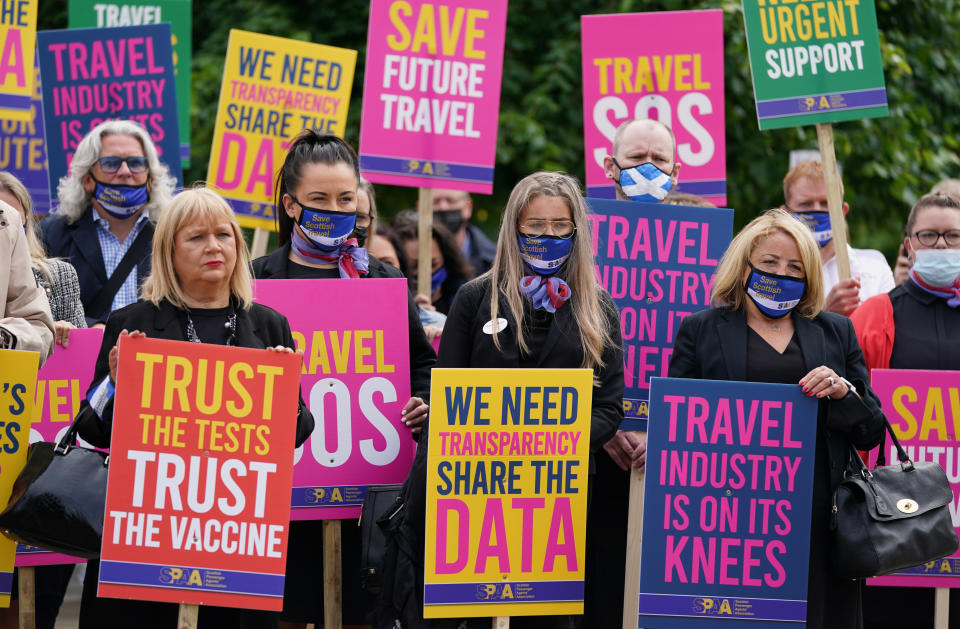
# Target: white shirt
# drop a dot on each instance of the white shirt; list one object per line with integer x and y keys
{"x": 867, "y": 265}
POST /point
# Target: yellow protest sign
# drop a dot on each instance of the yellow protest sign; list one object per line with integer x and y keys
{"x": 507, "y": 492}
{"x": 18, "y": 37}
{"x": 272, "y": 89}
{"x": 18, "y": 379}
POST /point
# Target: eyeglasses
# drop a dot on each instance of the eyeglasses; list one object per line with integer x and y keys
{"x": 561, "y": 228}
{"x": 929, "y": 238}
{"x": 111, "y": 164}
{"x": 363, "y": 220}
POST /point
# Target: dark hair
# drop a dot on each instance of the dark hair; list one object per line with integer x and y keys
{"x": 385, "y": 231}
{"x": 309, "y": 147}
{"x": 933, "y": 199}
{"x": 458, "y": 267}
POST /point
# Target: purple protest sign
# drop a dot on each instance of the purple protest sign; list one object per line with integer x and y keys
{"x": 61, "y": 384}
{"x": 665, "y": 65}
{"x": 924, "y": 411}
{"x": 431, "y": 93}
{"x": 356, "y": 379}
{"x": 23, "y": 150}
{"x": 90, "y": 75}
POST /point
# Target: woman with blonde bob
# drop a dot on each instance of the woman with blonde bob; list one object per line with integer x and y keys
{"x": 767, "y": 325}
{"x": 539, "y": 306}
{"x": 199, "y": 291}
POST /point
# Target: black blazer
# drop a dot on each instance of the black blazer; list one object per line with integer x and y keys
{"x": 259, "y": 327}
{"x": 78, "y": 243}
{"x": 465, "y": 344}
{"x": 422, "y": 356}
{"x": 712, "y": 345}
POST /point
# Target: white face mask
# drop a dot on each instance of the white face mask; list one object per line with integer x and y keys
{"x": 940, "y": 268}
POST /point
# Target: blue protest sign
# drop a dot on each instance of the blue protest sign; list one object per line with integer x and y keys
{"x": 23, "y": 150}
{"x": 728, "y": 490}
{"x": 657, "y": 261}
{"x": 90, "y": 75}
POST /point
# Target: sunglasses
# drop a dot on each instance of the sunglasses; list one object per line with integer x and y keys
{"x": 112, "y": 164}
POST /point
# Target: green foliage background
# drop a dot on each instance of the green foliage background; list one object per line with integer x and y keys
{"x": 888, "y": 163}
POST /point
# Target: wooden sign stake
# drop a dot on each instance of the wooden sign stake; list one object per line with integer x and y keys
{"x": 501, "y": 622}
{"x": 631, "y": 582}
{"x": 941, "y": 614}
{"x": 425, "y": 240}
{"x": 27, "y": 597}
{"x": 332, "y": 581}
{"x": 258, "y": 248}
{"x": 188, "y": 616}
{"x": 834, "y": 198}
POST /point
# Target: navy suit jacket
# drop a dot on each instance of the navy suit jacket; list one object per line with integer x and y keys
{"x": 78, "y": 243}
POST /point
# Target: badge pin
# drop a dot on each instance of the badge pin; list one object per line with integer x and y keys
{"x": 488, "y": 326}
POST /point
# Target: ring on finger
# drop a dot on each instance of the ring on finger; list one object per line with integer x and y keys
{"x": 832, "y": 381}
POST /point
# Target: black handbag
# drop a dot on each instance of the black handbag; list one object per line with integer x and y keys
{"x": 379, "y": 501}
{"x": 58, "y": 499}
{"x": 890, "y": 518}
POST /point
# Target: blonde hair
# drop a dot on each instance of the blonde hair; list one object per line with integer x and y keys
{"x": 38, "y": 255}
{"x": 728, "y": 285}
{"x": 508, "y": 266}
{"x": 196, "y": 204}
{"x": 809, "y": 169}
{"x": 75, "y": 200}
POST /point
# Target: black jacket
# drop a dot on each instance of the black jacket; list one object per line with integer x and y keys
{"x": 258, "y": 328}
{"x": 78, "y": 243}
{"x": 712, "y": 345}
{"x": 482, "y": 250}
{"x": 464, "y": 344}
{"x": 422, "y": 357}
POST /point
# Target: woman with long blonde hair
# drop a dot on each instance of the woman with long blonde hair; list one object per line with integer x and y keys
{"x": 539, "y": 306}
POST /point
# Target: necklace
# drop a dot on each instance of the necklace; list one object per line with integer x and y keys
{"x": 230, "y": 326}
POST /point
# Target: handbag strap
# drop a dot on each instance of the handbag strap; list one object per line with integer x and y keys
{"x": 905, "y": 461}
{"x": 69, "y": 437}
{"x": 141, "y": 244}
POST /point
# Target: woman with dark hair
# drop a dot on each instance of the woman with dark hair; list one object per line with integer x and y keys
{"x": 316, "y": 207}
{"x": 449, "y": 268}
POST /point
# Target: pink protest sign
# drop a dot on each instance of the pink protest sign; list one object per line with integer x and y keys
{"x": 431, "y": 93}
{"x": 667, "y": 66}
{"x": 61, "y": 384}
{"x": 356, "y": 379}
{"x": 924, "y": 410}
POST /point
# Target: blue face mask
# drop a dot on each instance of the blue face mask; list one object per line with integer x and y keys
{"x": 819, "y": 224}
{"x": 120, "y": 201}
{"x": 544, "y": 254}
{"x": 644, "y": 182}
{"x": 326, "y": 230}
{"x": 774, "y": 295}
{"x": 437, "y": 279}
{"x": 939, "y": 268}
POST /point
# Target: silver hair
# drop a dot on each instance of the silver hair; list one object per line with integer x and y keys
{"x": 74, "y": 200}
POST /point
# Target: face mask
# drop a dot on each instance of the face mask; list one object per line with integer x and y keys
{"x": 326, "y": 230}
{"x": 451, "y": 219}
{"x": 940, "y": 268}
{"x": 120, "y": 201}
{"x": 774, "y": 295}
{"x": 544, "y": 254}
{"x": 819, "y": 224}
{"x": 644, "y": 182}
{"x": 361, "y": 233}
{"x": 437, "y": 279}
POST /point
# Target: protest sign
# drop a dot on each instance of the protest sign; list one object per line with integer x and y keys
{"x": 23, "y": 150}
{"x": 18, "y": 33}
{"x": 61, "y": 384}
{"x": 272, "y": 89}
{"x": 18, "y": 377}
{"x": 90, "y": 75}
{"x": 814, "y": 62}
{"x": 923, "y": 407}
{"x": 726, "y": 526}
{"x": 355, "y": 379}
{"x": 507, "y": 492}
{"x": 657, "y": 262}
{"x": 431, "y": 93}
{"x": 674, "y": 74}
{"x": 89, "y": 13}
{"x": 201, "y": 461}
